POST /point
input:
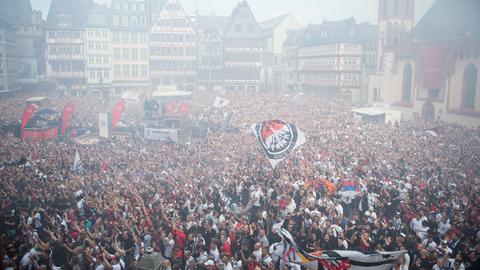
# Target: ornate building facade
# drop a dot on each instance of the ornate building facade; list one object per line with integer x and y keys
{"x": 173, "y": 48}
{"x": 129, "y": 42}
{"x": 331, "y": 57}
{"x": 210, "y": 51}
{"x": 65, "y": 42}
{"x": 430, "y": 71}
{"x": 98, "y": 50}
{"x": 243, "y": 50}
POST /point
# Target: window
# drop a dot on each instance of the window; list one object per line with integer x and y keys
{"x": 469, "y": 87}
{"x": 125, "y": 38}
{"x": 434, "y": 94}
{"x": 134, "y": 54}
{"x": 238, "y": 28}
{"x": 116, "y": 54}
{"x": 106, "y": 74}
{"x": 395, "y": 7}
{"x": 99, "y": 74}
{"x": 115, "y": 20}
{"x": 126, "y": 70}
{"x": 407, "y": 83}
{"x": 134, "y": 37}
{"x": 125, "y": 54}
{"x": 117, "y": 71}
{"x": 143, "y": 70}
{"x": 250, "y": 28}
{"x": 116, "y": 37}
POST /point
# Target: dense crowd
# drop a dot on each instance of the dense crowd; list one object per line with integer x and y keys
{"x": 418, "y": 191}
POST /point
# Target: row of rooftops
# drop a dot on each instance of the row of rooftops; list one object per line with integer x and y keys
{"x": 446, "y": 19}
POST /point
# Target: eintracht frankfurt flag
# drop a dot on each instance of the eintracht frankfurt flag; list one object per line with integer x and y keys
{"x": 278, "y": 139}
{"x": 220, "y": 102}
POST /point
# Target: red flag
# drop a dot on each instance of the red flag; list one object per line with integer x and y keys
{"x": 170, "y": 108}
{"x": 117, "y": 112}
{"x": 28, "y": 114}
{"x": 67, "y": 116}
{"x": 335, "y": 264}
{"x": 184, "y": 108}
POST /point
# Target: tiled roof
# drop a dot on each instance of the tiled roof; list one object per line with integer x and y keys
{"x": 346, "y": 31}
{"x": 17, "y": 12}
{"x": 212, "y": 22}
{"x": 77, "y": 9}
{"x": 449, "y": 19}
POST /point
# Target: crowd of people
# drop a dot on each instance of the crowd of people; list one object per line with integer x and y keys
{"x": 217, "y": 204}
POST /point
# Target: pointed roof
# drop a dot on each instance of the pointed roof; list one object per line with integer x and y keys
{"x": 242, "y": 14}
{"x": 77, "y": 9}
{"x": 211, "y": 23}
{"x": 272, "y": 23}
{"x": 449, "y": 19}
{"x": 17, "y": 12}
{"x": 345, "y": 31}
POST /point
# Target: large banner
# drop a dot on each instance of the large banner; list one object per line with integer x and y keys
{"x": 431, "y": 68}
{"x": 67, "y": 116}
{"x": 278, "y": 139}
{"x": 117, "y": 111}
{"x": 27, "y": 114}
{"x": 104, "y": 125}
{"x": 161, "y": 134}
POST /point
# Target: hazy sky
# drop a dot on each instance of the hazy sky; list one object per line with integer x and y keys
{"x": 306, "y": 11}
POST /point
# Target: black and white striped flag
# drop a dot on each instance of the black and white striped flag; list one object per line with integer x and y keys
{"x": 227, "y": 120}
{"x": 225, "y": 199}
{"x": 78, "y": 164}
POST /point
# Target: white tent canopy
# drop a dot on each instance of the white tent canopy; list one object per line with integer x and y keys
{"x": 390, "y": 116}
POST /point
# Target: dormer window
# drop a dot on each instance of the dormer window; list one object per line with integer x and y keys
{"x": 64, "y": 20}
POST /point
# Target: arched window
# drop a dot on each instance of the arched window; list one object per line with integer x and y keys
{"x": 469, "y": 87}
{"x": 407, "y": 83}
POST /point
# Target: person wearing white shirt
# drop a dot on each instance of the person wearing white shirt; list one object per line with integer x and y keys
{"x": 169, "y": 246}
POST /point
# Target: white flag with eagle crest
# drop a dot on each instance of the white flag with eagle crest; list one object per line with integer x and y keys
{"x": 278, "y": 139}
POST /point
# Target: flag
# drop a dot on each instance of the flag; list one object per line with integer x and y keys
{"x": 170, "y": 108}
{"x": 117, "y": 111}
{"x": 67, "y": 116}
{"x": 226, "y": 121}
{"x": 278, "y": 139}
{"x": 104, "y": 124}
{"x": 184, "y": 108}
{"x": 27, "y": 114}
{"x": 298, "y": 96}
{"x": 340, "y": 259}
{"x": 77, "y": 164}
{"x": 220, "y": 102}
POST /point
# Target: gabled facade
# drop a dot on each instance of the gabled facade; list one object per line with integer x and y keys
{"x": 30, "y": 40}
{"x": 243, "y": 50}
{"x": 331, "y": 57}
{"x": 210, "y": 51}
{"x": 98, "y": 50}
{"x": 432, "y": 71}
{"x": 65, "y": 41}
{"x": 129, "y": 42}
{"x": 173, "y": 48}
{"x": 274, "y": 36}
